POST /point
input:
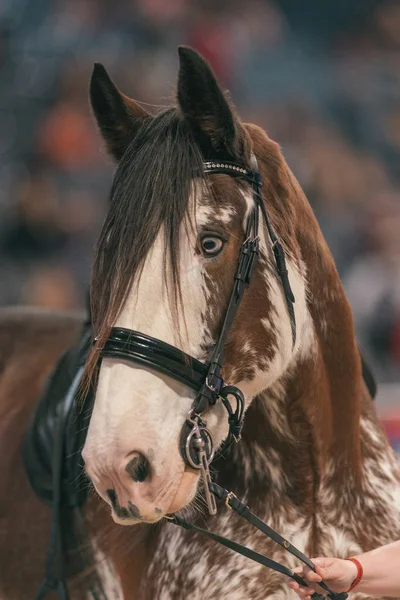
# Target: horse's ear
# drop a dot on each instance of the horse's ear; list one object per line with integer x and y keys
{"x": 205, "y": 105}
{"x": 118, "y": 117}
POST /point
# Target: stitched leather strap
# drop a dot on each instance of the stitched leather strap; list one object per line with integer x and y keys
{"x": 242, "y": 510}
{"x": 160, "y": 356}
{"x": 232, "y": 502}
{"x": 244, "y": 551}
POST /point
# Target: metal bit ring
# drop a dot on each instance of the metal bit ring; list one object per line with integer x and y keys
{"x": 199, "y": 438}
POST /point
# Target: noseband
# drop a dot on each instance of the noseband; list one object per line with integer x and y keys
{"x": 206, "y": 381}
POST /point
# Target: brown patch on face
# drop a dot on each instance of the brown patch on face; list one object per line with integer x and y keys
{"x": 246, "y": 331}
{"x": 250, "y": 345}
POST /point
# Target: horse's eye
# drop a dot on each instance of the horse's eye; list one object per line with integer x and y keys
{"x": 211, "y": 245}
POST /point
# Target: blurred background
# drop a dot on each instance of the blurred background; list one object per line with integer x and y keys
{"x": 323, "y": 79}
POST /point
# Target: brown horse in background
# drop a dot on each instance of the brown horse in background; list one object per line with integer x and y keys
{"x": 313, "y": 461}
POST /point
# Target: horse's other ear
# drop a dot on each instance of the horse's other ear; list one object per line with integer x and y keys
{"x": 118, "y": 117}
{"x": 205, "y": 106}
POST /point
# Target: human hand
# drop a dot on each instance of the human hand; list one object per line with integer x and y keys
{"x": 338, "y": 574}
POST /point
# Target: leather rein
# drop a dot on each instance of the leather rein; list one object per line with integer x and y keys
{"x": 196, "y": 444}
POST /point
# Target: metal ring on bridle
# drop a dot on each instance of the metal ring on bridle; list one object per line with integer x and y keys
{"x": 202, "y": 436}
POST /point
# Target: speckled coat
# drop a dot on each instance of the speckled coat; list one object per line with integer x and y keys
{"x": 313, "y": 461}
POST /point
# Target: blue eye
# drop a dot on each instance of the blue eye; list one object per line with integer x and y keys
{"x": 211, "y": 246}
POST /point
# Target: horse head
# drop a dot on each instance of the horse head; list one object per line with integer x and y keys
{"x": 165, "y": 266}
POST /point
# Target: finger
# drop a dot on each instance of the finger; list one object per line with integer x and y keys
{"x": 312, "y": 576}
{"x": 320, "y": 564}
{"x": 294, "y": 585}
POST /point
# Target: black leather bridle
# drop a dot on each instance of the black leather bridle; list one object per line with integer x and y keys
{"x": 206, "y": 380}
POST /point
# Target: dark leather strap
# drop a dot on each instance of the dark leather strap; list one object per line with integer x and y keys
{"x": 156, "y": 354}
{"x": 232, "y": 502}
{"x": 58, "y": 405}
{"x": 55, "y": 564}
{"x": 248, "y": 254}
{"x": 280, "y": 262}
{"x": 240, "y": 549}
{"x": 242, "y": 510}
{"x": 246, "y": 552}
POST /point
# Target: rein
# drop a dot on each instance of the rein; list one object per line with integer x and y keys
{"x": 205, "y": 379}
{"x": 233, "y": 503}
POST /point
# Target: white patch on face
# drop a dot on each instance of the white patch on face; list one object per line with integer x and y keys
{"x": 248, "y": 198}
{"x": 137, "y": 409}
{"x": 207, "y": 213}
{"x": 225, "y": 214}
{"x": 204, "y": 211}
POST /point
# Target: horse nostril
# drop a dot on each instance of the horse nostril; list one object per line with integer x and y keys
{"x": 138, "y": 468}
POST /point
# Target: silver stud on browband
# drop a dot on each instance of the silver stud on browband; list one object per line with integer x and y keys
{"x": 225, "y": 166}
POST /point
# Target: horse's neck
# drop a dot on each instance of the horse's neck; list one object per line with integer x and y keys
{"x": 305, "y": 422}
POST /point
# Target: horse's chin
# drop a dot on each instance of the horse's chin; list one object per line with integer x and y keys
{"x": 184, "y": 495}
{"x": 129, "y": 522}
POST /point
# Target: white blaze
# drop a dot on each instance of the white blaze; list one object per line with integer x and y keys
{"x": 138, "y": 409}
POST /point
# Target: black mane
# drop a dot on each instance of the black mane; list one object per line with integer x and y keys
{"x": 151, "y": 189}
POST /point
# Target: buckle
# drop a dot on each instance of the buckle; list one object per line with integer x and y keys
{"x": 214, "y": 374}
{"x": 229, "y": 496}
{"x": 211, "y": 387}
{"x": 254, "y": 252}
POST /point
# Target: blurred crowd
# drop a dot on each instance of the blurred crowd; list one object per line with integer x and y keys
{"x": 323, "y": 78}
